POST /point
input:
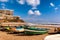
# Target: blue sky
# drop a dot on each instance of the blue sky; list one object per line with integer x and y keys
{"x": 45, "y": 11}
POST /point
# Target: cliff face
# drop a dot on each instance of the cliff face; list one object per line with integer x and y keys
{"x": 7, "y": 16}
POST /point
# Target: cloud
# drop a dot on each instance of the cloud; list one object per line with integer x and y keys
{"x": 30, "y": 12}
{"x": 52, "y": 4}
{"x": 33, "y": 3}
{"x": 11, "y": 1}
{"x": 21, "y": 2}
{"x": 56, "y": 8}
{"x": 37, "y": 12}
{"x": 4, "y": 0}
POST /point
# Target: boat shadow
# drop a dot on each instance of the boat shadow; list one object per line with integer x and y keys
{"x": 27, "y": 34}
{"x": 22, "y": 34}
{"x": 54, "y": 33}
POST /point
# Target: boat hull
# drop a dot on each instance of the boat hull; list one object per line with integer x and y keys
{"x": 35, "y": 32}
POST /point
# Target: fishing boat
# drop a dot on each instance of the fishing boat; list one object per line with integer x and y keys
{"x": 7, "y": 28}
{"x": 34, "y": 30}
{"x": 28, "y": 30}
{"x": 17, "y": 29}
{"x": 4, "y": 28}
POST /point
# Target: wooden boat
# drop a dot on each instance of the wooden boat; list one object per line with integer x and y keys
{"x": 7, "y": 28}
{"x": 28, "y": 30}
{"x": 17, "y": 29}
{"x": 34, "y": 30}
{"x": 4, "y": 28}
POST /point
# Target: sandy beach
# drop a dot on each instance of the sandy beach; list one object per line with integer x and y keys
{"x": 6, "y": 36}
{"x": 24, "y": 15}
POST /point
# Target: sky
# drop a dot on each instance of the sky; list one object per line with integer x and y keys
{"x": 34, "y": 11}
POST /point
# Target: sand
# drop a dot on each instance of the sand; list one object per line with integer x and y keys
{"x": 6, "y": 36}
